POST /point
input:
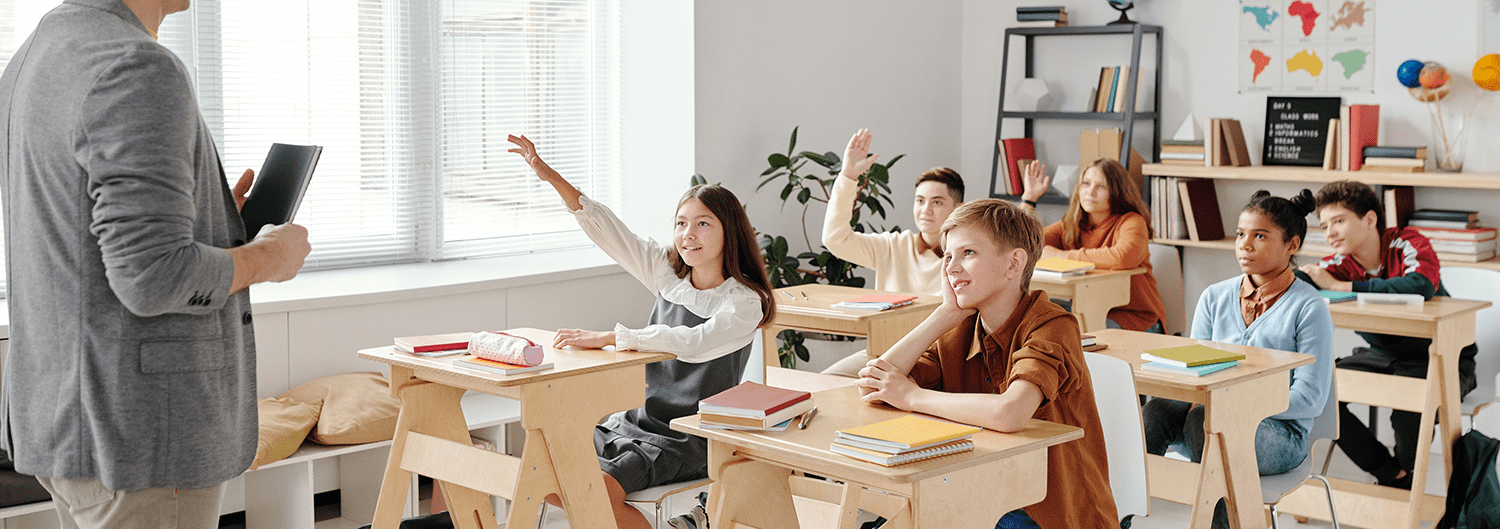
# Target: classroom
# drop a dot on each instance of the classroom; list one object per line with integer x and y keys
{"x": 426, "y": 216}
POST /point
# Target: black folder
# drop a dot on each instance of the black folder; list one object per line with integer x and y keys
{"x": 279, "y": 186}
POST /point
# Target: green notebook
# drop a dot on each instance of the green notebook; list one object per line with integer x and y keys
{"x": 1190, "y": 355}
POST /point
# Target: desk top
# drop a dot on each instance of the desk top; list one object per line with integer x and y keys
{"x": 1092, "y": 275}
{"x": 819, "y": 299}
{"x": 840, "y": 409}
{"x": 805, "y": 380}
{"x": 566, "y": 362}
{"x": 1258, "y": 362}
{"x": 1433, "y": 310}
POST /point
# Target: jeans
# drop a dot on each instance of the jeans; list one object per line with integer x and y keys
{"x": 1279, "y": 445}
{"x": 1157, "y": 328}
{"x": 1017, "y": 519}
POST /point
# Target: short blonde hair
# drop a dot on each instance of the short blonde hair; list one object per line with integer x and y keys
{"x": 1007, "y": 224}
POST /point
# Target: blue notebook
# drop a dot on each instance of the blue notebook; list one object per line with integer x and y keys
{"x": 1192, "y": 371}
{"x": 1334, "y": 296}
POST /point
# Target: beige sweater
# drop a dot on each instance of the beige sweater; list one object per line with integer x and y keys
{"x": 902, "y": 263}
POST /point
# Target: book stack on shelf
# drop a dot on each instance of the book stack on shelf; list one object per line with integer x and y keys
{"x": 752, "y": 406}
{"x": 1395, "y": 159}
{"x": 1455, "y": 235}
{"x": 1182, "y": 152}
{"x": 904, "y": 440}
{"x": 1226, "y": 144}
{"x": 1188, "y": 209}
{"x": 1015, "y": 154}
{"x": 1110, "y": 95}
{"x": 1041, "y": 16}
{"x": 1358, "y": 127}
{"x": 1058, "y": 268}
{"x": 1193, "y": 360}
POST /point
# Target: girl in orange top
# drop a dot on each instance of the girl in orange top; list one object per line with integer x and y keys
{"x": 1106, "y": 224}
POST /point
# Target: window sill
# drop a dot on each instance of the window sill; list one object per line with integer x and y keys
{"x": 392, "y": 283}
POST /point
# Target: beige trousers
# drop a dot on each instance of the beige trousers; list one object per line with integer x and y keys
{"x": 87, "y": 504}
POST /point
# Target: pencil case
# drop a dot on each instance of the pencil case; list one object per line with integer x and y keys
{"x": 507, "y": 348}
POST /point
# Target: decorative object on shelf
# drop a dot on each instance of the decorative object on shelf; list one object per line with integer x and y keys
{"x": 1297, "y": 129}
{"x": 1122, "y": 6}
{"x": 1433, "y": 83}
{"x": 1034, "y": 95}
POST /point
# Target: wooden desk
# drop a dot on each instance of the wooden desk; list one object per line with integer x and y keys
{"x": 559, "y": 408}
{"x": 1235, "y": 401}
{"x": 751, "y": 471}
{"x": 1092, "y": 293}
{"x": 1449, "y": 323}
{"x": 814, "y": 313}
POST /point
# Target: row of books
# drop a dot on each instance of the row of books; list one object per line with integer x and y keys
{"x": 1194, "y": 360}
{"x": 1186, "y": 208}
{"x": 1015, "y": 155}
{"x": 1225, "y": 146}
{"x": 1041, "y": 16}
{"x": 1455, "y": 235}
{"x": 1357, "y": 127}
{"x": 1393, "y": 159}
{"x": 1110, "y": 94}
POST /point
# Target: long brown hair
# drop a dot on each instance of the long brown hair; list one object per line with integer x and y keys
{"x": 1124, "y": 197}
{"x": 741, "y": 253}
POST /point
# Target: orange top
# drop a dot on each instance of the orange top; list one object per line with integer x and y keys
{"x": 1120, "y": 243}
{"x": 1038, "y": 344}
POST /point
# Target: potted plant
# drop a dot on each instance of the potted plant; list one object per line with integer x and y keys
{"x": 820, "y": 265}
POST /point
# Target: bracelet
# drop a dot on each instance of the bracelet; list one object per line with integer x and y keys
{"x": 1031, "y": 203}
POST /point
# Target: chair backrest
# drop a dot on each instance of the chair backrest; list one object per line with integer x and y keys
{"x": 1124, "y": 440}
{"x": 1480, "y": 284}
{"x": 1166, "y": 266}
{"x": 1325, "y": 428}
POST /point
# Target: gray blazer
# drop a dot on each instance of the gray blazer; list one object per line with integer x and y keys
{"x": 129, "y": 362}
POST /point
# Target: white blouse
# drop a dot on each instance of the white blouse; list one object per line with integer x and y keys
{"x": 732, "y": 309}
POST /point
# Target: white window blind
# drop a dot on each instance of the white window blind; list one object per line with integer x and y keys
{"x": 412, "y": 101}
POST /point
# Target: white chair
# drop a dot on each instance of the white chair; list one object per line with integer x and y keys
{"x": 1325, "y": 428}
{"x": 657, "y": 496}
{"x": 1124, "y": 440}
{"x": 1166, "y": 266}
{"x": 1480, "y": 284}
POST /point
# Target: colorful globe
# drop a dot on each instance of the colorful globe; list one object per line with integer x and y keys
{"x": 1409, "y": 72}
{"x": 1433, "y": 75}
{"x": 1487, "y": 72}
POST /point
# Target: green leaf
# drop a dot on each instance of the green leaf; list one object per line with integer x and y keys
{"x": 793, "y": 145}
{"x": 777, "y": 159}
{"x": 802, "y": 353}
{"x": 699, "y": 180}
{"x": 786, "y": 192}
{"x": 769, "y": 170}
{"x": 804, "y": 195}
{"x": 893, "y": 160}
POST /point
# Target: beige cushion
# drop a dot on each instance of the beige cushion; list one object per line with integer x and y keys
{"x": 284, "y": 423}
{"x": 357, "y": 408}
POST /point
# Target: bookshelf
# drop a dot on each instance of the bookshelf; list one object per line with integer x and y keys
{"x": 1477, "y": 181}
{"x": 1127, "y": 119}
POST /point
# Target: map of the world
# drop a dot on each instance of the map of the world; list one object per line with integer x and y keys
{"x": 1302, "y": 46}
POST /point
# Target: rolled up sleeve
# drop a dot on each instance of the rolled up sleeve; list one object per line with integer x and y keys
{"x": 1043, "y": 358}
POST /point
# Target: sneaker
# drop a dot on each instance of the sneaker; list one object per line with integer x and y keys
{"x": 694, "y": 519}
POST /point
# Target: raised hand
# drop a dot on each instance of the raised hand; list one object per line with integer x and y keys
{"x": 527, "y": 150}
{"x": 857, "y": 157}
{"x": 1035, "y": 181}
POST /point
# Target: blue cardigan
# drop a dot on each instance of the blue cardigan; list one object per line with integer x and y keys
{"x": 1298, "y": 322}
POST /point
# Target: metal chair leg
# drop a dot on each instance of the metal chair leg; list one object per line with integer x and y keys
{"x": 543, "y": 518}
{"x": 1328, "y": 489}
{"x": 1275, "y": 518}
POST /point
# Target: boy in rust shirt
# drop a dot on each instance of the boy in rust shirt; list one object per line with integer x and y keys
{"x": 996, "y": 354}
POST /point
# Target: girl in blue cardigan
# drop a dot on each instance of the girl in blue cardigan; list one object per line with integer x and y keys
{"x": 1264, "y": 307}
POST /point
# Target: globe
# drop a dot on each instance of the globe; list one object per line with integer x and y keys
{"x": 1433, "y": 75}
{"x": 1409, "y": 73}
{"x": 1487, "y": 72}
{"x": 1122, "y": 6}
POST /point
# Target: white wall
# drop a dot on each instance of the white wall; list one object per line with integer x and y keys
{"x": 830, "y": 67}
{"x": 657, "y": 112}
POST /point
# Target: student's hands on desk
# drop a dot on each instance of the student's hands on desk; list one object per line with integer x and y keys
{"x": 582, "y": 339}
{"x": 1325, "y": 280}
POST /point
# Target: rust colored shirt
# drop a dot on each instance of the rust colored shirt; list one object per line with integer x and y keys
{"x": 1038, "y": 344}
{"x": 1256, "y": 300}
{"x": 1119, "y": 243}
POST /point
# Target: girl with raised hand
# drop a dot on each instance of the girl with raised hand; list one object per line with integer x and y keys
{"x": 712, "y": 294}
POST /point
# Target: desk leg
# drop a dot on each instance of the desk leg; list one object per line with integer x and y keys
{"x": 431, "y": 409}
{"x": 1453, "y": 334}
{"x": 748, "y": 492}
{"x": 768, "y": 345}
{"x": 1092, "y": 302}
{"x": 1233, "y": 415}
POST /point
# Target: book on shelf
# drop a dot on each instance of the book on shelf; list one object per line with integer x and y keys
{"x": 1121, "y": 89}
{"x": 1450, "y": 224}
{"x": 1364, "y": 131}
{"x": 876, "y": 302}
{"x": 1182, "y": 143}
{"x": 434, "y": 342}
{"x": 907, "y": 433}
{"x": 1190, "y": 355}
{"x": 1367, "y": 167}
{"x": 1445, "y": 214}
{"x": 757, "y": 423}
{"x": 890, "y": 460}
{"x": 1234, "y": 142}
{"x": 1105, "y": 88}
{"x": 1335, "y": 296}
{"x": 1463, "y": 247}
{"x": 1465, "y": 257}
{"x": 1043, "y": 24}
{"x": 1194, "y": 156}
{"x": 1450, "y": 234}
{"x": 1060, "y": 16}
{"x": 1004, "y": 169}
{"x": 1400, "y": 201}
{"x": 751, "y": 399}
{"x": 1017, "y": 149}
{"x": 1041, "y": 9}
{"x": 1343, "y": 161}
{"x": 1391, "y": 151}
{"x": 482, "y": 364}
{"x": 1063, "y": 266}
{"x": 1200, "y": 204}
{"x": 778, "y": 427}
{"x": 1331, "y": 147}
{"x": 1396, "y": 162}
{"x": 1196, "y": 371}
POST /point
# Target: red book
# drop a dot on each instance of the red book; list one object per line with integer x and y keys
{"x": 1017, "y": 149}
{"x": 434, "y": 342}
{"x": 750, "y": 399}
{"x": 1364, "y": 131}
{"x": 894, "y": 299}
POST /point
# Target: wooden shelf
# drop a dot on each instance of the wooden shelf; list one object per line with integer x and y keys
{"x": 1259, "y": 173}
{"x": 1318, "y": 251}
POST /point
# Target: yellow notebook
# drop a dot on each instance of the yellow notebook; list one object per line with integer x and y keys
{"x": 1058, "y": 264}
{"x": 1190, "y": 355}
{"x": 907, "y": 433}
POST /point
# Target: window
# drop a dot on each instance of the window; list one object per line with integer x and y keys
{"x": 412, "y": 101}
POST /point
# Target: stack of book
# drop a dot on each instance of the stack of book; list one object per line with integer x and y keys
{"x": 1182, "y": 152}
{"x": 1455, "y": 235}
{"x": 1110, "y": 95}
{"x": 1015, "y": 154}
{"x": 1041, "y": 16}
{"x": 1395, "y": 159}
{"x": 904, "y": 440}
{"x": 1057, "y": 268}
{"x": 1090, "y": 343}
{"x": 1226, "y": 144}
{"x": 752, "y": 406}
{"x": 1194, "y": 360}
{"x": 1358, "y": 127}
{"x": 435, "y": 345}
{"x": 1335, "y": 296}
{"x": 876, "y": 302}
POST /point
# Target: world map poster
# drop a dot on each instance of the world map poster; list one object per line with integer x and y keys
{"x": 1307, "y": 46}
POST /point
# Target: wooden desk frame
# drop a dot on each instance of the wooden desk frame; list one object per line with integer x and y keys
{"x": 753, "y": 483}
{"x": 559, "y": 408}
{"x": 1093, "y": 294}
{"x": 1449, "y": 323}
{"x": 1235, "y": 401}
